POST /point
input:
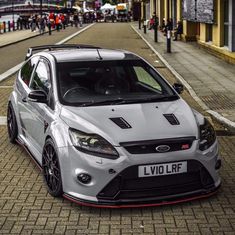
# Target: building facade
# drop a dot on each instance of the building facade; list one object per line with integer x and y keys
{"x": 209, "y": 22}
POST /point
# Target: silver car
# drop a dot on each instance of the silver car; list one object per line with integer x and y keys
{"x": 109, "y": 131}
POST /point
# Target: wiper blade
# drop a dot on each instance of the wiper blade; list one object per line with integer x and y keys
{"x": 152, "y": 99}
{"x": 131, "y": 101}
{"x": 110, "y": 101}
{"x": 163, "y": 98}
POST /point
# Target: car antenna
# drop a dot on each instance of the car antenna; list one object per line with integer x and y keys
{"x": 99, "y": 55}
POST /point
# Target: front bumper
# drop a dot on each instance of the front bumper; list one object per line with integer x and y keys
{"x": 125, "y": 189}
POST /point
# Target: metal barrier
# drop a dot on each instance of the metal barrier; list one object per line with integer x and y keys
{"x": 8, "y": 26}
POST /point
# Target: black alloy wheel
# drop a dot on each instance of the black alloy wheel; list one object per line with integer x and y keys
{"x": 11, "y": 124}
{"x": 51, "y": 169}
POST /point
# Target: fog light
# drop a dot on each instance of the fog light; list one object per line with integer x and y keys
{"x": 218, "y": 164}
{"x": 84, "y": 178}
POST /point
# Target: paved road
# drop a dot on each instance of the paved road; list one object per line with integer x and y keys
{"x": 14, "y": 54}
{"x": 27, "y": 208}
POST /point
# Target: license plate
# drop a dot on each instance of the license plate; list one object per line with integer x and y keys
{"x": 163, "y": 169}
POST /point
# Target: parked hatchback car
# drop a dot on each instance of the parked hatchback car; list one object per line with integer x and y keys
{"x": 108, "y": 130}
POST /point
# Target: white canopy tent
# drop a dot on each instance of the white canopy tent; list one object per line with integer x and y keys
{"x": 107, "y": 6}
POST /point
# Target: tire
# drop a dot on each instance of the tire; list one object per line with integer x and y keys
{"x": 51, "y": 169}
{"x": 12, "y": 124}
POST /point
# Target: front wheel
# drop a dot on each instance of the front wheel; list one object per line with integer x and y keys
{"x": 51, "y": 169}
{"x": 11, "y": 124}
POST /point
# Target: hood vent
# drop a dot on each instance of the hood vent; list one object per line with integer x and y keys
{"x": 171, "y": 118}
{"x": 121, "y": 122}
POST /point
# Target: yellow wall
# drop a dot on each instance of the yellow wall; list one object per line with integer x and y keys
{"x": 218, "y": 30}
{"x": 166, "y": 9}
{"x": 179, "y": 10}
{"x": 203, "y": 32}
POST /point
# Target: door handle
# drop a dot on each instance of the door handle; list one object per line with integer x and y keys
{"x": 24, "y": 99}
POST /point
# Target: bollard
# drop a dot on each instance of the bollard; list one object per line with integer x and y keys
{"x": 145, "y": 26}
{"x": 139, "y": 23}
{"x": 4, "y": 27}
{"x": 49, "y": 28}
{"x": 168, "y": 43}
{"x": 155, "y": 32}
{"x": 9, "y": 26}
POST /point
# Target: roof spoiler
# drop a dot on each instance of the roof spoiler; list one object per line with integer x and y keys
{"x": 31, "y": 50}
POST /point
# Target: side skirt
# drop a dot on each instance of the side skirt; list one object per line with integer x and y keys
{"x": 30, "y": 154}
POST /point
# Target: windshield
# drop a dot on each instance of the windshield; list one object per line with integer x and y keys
{"x": 110, "y": 82}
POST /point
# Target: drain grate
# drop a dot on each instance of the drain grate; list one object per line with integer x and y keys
{"x": 218, "y": 101}
{"x": 224, "y": 133}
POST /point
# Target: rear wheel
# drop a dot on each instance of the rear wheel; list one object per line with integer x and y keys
{"x": 51, "y": 169}
{"x": 11, "y": 124}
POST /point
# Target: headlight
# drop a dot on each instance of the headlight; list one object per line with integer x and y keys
{"x": 207, "y": 135}
{"x": 92, "y": 144}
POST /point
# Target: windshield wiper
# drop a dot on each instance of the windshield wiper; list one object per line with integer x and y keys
{"x": 151, "y": 99}
{"x": 131, "y": 101}
{"x": 103, "y": 102}
{"x": 163, "y": 98}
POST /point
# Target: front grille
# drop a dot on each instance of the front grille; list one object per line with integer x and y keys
{"x": 151, "y": 146}
{"x": 127, "y": 185}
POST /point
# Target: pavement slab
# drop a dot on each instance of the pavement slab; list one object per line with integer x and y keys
{"x": 204, "y": 72}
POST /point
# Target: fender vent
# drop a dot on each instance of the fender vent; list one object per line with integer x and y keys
{"x": 171, "y": 118}
{"x": 121, "y": 122}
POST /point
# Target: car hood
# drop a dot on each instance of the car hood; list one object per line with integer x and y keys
{"x": 134, "y": 122}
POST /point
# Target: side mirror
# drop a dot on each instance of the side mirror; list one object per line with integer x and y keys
{"x": 178, "y": 87}
{"x": 38, "y": 96}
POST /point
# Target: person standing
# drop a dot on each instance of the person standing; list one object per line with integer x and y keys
{"x": 42, "y": 25}
{"x": 57, "y": 22}
{"x": 75, "y": 19}
{"x": 80, "y": 18}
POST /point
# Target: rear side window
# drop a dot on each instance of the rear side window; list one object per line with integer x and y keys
{"x": 41, "y": 78}
{"x": 27, "y": 70}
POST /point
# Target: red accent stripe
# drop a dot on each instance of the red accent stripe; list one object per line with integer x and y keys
{"x": 140, "y": 205}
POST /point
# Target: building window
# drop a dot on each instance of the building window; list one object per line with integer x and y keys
{"x": 226, "y": 22}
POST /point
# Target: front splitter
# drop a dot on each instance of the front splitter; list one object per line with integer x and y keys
{"x": 131, "y": 204}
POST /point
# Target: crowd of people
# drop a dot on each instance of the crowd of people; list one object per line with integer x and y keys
{"x": 52, "y": 20}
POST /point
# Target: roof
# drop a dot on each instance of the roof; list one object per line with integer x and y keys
{"x": 69, "y": 55}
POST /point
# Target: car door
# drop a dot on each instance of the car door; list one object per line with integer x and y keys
{"x": 41, "y": 80}
{"x": 22, "y": 88}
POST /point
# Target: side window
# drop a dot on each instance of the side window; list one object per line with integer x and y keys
{"x": 41, "y": 78}
{"x": 27, "y": 69}
{"x": 144, "y": 77}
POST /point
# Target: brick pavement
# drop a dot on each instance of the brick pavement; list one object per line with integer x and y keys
{"x": 27, "y": 208}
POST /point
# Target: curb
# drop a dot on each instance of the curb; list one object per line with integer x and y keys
{"x": 216, "y": 115}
